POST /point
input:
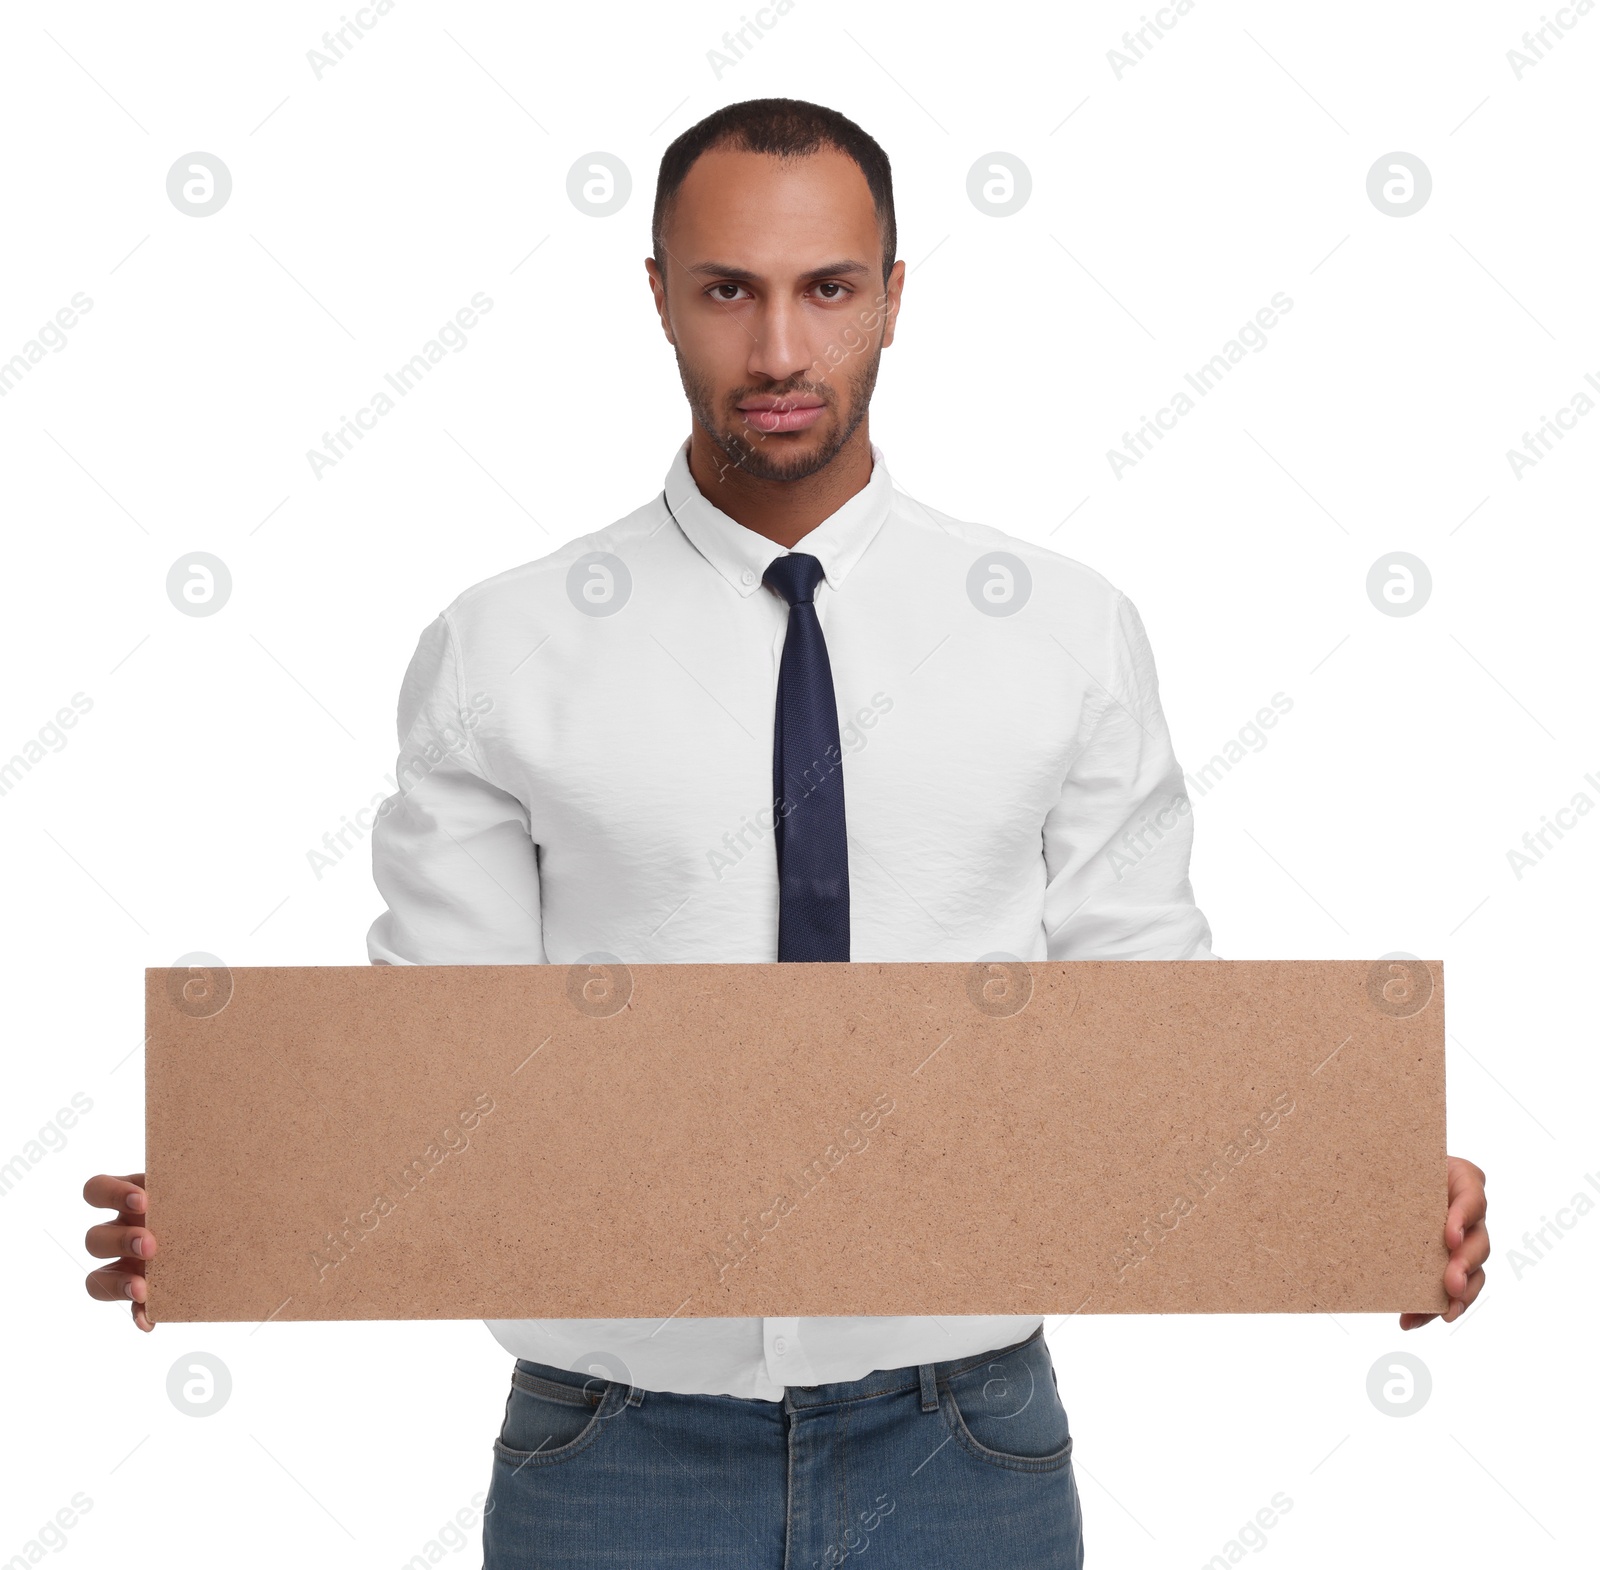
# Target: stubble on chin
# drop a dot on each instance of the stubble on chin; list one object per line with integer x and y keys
{"x": 746, "y": 449}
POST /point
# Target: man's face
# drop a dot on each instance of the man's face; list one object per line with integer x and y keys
{"x": 775, "y": 304}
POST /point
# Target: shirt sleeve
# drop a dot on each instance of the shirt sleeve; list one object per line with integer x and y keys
{"x": 1117, "y": 842}
{"x": 451, "y": 850}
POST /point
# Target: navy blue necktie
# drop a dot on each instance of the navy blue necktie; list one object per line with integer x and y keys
{"x": 808, "y": 780}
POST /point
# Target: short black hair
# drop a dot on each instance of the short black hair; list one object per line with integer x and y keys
{"x": 786, "y": 128}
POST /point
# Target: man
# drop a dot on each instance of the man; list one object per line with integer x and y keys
{"x": 783, "y": 712}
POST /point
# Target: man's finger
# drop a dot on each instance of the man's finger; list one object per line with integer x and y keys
{"x": 1466, "y": 1257}
{"x": 1474, "y": 1287}
{"x": 1467, "y": 1210}
{"x": 1465, "y": 1176}
{"x": 113, "y": 1282}
{"x": 1461, "y": 1301}
{"x": 126, "y": 1194}
{"x": 109, "y": 1241}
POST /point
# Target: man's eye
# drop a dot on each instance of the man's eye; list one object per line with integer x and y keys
{"x": 718, "y": 291}
{"x": 831, "y": 285}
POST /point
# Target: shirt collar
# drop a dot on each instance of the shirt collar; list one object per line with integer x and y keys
{"x": 742, "y": 556}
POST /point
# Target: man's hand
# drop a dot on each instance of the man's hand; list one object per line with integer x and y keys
{"x": 1467, "y": 1237}
{"x": 126, "y": 1240}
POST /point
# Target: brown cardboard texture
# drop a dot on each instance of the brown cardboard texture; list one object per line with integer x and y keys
{"x": 611, "y": 1141}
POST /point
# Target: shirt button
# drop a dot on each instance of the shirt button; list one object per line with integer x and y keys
{"x": 780, "y": 1346}
{"x": 748, "y": 576}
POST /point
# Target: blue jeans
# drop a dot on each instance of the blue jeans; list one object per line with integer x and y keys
{"x": 950, "y": 1466}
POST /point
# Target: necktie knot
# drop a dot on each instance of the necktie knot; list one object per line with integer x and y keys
{"x": 795, "y": 577}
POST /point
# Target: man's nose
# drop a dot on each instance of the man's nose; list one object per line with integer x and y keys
{"x": 780, "y": 350}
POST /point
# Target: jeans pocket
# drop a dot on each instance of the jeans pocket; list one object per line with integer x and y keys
{"x": 1006, "y": 1411}
{"x": 547, "y": 1422}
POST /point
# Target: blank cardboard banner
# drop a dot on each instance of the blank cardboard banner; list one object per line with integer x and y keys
{"x": 610, "y": 1141}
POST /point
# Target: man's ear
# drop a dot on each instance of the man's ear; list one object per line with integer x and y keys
{"x": 658, "y": 288}
{"x": 892, "y": 287}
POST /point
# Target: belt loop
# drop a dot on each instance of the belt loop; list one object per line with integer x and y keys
{"x": 635, "y": 1395}
{"x": 930, "y": 1388}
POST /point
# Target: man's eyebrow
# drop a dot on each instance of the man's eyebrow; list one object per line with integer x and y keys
{"x": 844, "y": 269}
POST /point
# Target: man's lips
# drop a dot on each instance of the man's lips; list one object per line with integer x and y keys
{"x": 769, "y": 415}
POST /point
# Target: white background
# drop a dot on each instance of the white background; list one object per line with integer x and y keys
{"x": 1167, "y": 207}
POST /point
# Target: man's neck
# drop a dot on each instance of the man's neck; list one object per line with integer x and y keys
{"x": 783, "y": 511}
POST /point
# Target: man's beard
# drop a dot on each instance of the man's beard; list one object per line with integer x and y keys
{"x": 750, "y": 450}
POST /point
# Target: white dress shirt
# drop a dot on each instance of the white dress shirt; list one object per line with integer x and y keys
{"x": 586, "y": 768}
